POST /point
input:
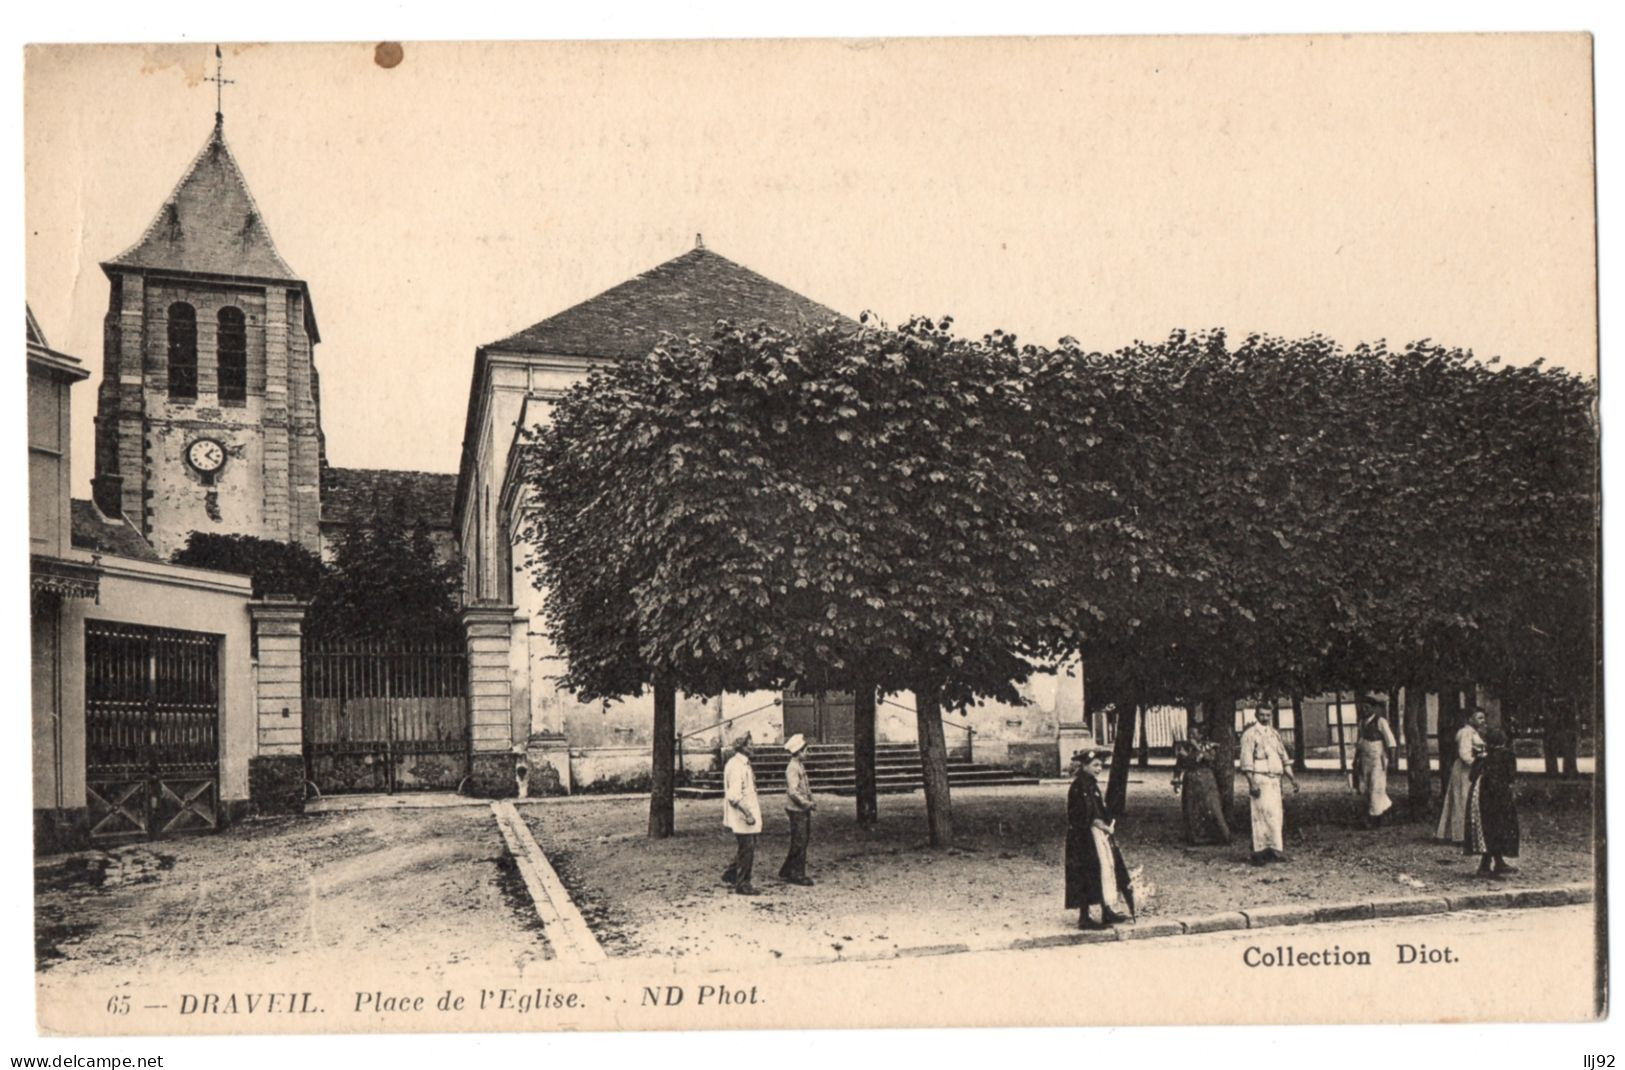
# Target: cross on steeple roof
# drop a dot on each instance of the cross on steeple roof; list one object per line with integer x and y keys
{"x": 220, "y": 84}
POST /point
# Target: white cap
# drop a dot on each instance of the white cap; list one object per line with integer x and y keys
{"x": 795, "y": 744}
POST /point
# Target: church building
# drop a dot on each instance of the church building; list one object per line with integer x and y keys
{"x": 209, "y": 411}
{"x": 207, "y": 417}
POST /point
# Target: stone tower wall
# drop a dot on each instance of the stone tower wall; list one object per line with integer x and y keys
{"x": 268, "y": 486}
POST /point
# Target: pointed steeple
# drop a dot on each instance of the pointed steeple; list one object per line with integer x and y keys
{"x": 209, "y": 224}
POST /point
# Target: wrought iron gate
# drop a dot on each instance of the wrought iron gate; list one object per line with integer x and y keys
{"x": 152, "y": 730}
{"x": 382, "y": 716}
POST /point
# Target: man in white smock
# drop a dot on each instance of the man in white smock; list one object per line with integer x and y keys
{"x": 742, "y": 814}
{"x": 1264, "y": 762}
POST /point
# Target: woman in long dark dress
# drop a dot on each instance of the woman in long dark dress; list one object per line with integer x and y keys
{"x": 1095, "y": 873}
{"x": 1492, "y": 810}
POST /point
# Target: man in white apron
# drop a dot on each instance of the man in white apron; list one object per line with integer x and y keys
{"x": 1264, "y": 762}
{"x": 742, "y": 814}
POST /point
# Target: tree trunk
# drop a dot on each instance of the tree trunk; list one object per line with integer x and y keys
{"x": 1449, "y": 722}
{"x": 662, "y": 808}
{"x": 1548, "y": 741}
{"x": 1221, "y": 730}
{"x": 863, "y": 752}
{"x": 1300, "y": 738}
{"x": 1342, "y": 752}
{"x": 1571, "y": 738}
{"x": 1122, "y": 755}
{"x": 933, "y": 763}
{"x": 1145, "y": 741}
{"x": 1396, "y": 722}
{"x": 1416, "y": 757}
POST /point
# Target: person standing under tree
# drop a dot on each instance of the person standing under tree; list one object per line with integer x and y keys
{"x": 1469, "y": 745}
{"x": 1376, "y": 741}
{"x": 1095, "y": 872}
{"x": 1264, "y": 761}
{"x": 1200, "y": 802}
{"x": 799, "y": 807}
{"x": 742, "y": 813}
{"x": 1492, "y": 809}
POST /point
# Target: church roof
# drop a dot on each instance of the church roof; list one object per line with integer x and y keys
{"x": 685, "y": 295}
{"x": 99, "y": 533}
{"x": 209, "y": 225}
{"x": 357, "y": 495}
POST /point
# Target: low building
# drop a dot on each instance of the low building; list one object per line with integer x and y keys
{"x": 144, "y": 714}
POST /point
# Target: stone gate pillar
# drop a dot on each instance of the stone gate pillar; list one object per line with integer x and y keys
{"x": 276, "y": 773}
{"x": 488, "y": 630}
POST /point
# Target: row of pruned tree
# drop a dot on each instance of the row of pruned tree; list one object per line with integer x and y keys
{"x": 872, "y": 509}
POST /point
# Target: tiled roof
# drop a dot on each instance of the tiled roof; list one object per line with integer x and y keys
{"x": 209, "y": 225}
{"x": 95, "y": 531}
{"x": 357, "y": 495}
{"x": 685, "y": 295}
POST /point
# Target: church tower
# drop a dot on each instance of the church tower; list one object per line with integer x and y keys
{"x": 208, "y": 415}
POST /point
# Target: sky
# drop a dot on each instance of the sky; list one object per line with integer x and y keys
{"x": 1109, "y": 189}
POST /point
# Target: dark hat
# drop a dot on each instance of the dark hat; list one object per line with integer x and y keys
{"x": 1088, "y": 754}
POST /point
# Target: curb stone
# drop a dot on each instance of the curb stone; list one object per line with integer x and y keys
{"x": 1151, "y": 929}
{"x": 1481, "y": 901}
{"x": 1542, "y": 897}
{"x": 1405, "y": 908}
{"x": 931, "y": 949}
{"x": 1344, "y": 912}
{"x": 1028, "y": 943}
{"x": 1215, "y": 923}
{"x": 1279, "y": 914}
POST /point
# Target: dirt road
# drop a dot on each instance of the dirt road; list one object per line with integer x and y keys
{"x": 420, "y": 891}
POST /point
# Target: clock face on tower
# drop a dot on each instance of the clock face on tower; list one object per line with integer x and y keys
{"x": 206, "y": 455}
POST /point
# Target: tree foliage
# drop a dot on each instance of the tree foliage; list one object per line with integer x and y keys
{"x": 764, "y": 510}
{"x": 767, "y": 510}
{"x": 1288, "y": 517}
{"x": 387, "y": 582}
{"x": 277, "y": 568}
{"x": 1198, "y": 519}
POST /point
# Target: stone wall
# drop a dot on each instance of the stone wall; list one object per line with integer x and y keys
{"x": 608, "y": 770}
{"x": 268, "y": 486}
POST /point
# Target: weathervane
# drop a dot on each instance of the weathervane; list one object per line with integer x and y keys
{"x": 220, "y": 84}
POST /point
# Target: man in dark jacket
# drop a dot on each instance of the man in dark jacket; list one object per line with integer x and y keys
{"x": 798, "y": 806}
